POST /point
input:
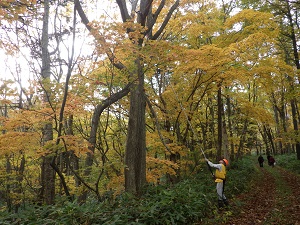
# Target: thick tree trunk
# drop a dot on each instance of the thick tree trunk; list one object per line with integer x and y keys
{"x": 278, "y": 128}
{"x": 135, "y": 155}
{"x": 295, "y": 123}
{"x": 242, "y": 140}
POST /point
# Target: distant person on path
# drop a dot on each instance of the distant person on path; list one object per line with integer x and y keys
{"x": 261, "y": 161}
{"x": 271, "y": 160}
{"x": 220, "y": 177}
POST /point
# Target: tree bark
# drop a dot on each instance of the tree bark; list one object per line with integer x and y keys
{"x": 229, "y": 114}
{"x": 47, "y": 172}
{"x": 135, "y": 155}
{"x": 220, "y": 124}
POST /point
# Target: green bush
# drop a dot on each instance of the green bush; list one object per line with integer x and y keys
{"x": 288, "y": 161}
{"x": 189, "y": 201}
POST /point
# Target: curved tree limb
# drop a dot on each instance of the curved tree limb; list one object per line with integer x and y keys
{"x": 100, "y": 108}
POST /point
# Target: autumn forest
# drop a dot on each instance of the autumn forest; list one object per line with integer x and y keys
{"x": 101, "y": 98}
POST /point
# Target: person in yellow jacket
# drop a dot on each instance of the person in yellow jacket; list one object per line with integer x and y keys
{"x": 220, "y": 177}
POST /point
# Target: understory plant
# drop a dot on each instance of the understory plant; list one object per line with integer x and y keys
{"x": 189, "y": 201}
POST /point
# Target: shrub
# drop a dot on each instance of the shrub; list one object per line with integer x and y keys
{"x": 189, "y": 201}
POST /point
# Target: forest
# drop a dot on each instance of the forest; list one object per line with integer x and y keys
{"x": 116, "y": 104}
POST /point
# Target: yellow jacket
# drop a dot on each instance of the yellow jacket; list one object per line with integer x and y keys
{"x": 220, "y": 173}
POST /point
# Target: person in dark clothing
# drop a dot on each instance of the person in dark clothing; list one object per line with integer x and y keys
{"x": 261, "y": 161}
{"x": 271, "y": 160}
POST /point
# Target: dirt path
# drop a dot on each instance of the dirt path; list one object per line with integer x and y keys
{"x": 274, "y": 199}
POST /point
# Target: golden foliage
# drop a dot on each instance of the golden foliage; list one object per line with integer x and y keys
{"x": 15, "y": 142}
{"x": 75, "y": 144}
{"x": 157, "y": 168}
{"x": 114, "y": 184}
{"x": 250, "y": 24}
{"x": 196, "y": 54}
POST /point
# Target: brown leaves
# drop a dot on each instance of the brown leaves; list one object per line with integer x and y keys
{"x": 269, "y": 200}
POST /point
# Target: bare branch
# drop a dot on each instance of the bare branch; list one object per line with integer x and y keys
{"x": 166, "y": 20}
{"x": 123, "y": 9}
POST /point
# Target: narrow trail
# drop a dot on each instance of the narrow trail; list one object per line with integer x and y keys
{"x": 273, "y": 199}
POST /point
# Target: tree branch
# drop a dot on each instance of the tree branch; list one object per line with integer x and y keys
{"x": 166, "y": 20}
{"x": 153, "y": 18}
{"x": 123, "y": 9}
{"x": 100, "y": 108}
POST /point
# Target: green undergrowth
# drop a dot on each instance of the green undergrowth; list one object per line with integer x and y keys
{"x": 288, "y": 161}
{"x": 187, "y": 202}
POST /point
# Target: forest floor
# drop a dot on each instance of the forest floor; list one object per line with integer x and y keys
{"x": 272, "y": 199}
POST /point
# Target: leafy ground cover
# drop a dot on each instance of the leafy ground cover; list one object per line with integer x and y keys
{"x": 191, "y": 200}
{"x": 267, "y": 196}
{"x": 271, "y": 199}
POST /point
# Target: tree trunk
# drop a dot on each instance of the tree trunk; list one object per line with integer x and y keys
{"x": 229, "y": 114}
{"x": 294, "y": 41}
{"x": 47, "y": 172}
{"x": 268, "y": 132}
{"x": 135, "y": 155}
{"x": 278, "y": 128}
{"x": 242, "y": 140}
{"x": 220, "y": 124}
{"x": 295, "y": 123}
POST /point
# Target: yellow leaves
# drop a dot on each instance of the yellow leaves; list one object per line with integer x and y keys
{"x": 69, "y": 143}
{"x": 255, "y": 112}
{"x": 157, "y": 168}
{"x": 5, "y": 102}
{"x": 16, "y": 142}
{"x": 136, "y": 30}
{"x": 8, "y": 91}
{"x": 272, "y": 72}
{"x": 195, "y": 24}
{"x": 156, "y": 146}
{"x": 250, "y": 21}
{"x": 23, "y": 133}
{"x": 75, "y": 105}
{"x": 207, "y": 63}
{"x": 114, "y": 184}
{"x": 249, "y": 29}
{"x": 75, "y": 144}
